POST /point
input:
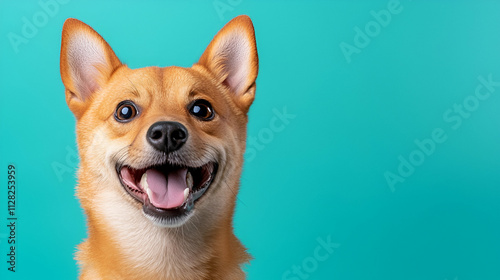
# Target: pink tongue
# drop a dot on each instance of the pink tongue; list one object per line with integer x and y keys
{"x": 166, "y": 193}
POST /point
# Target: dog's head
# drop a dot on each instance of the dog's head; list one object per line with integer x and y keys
{"x": 170, "y": 141}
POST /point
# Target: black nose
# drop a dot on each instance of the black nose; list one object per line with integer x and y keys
{"x": 167, "y": 136}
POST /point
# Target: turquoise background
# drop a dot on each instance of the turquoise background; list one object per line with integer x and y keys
{"x": 318, "y": 176}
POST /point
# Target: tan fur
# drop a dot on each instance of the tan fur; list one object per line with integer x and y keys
{"x": 122, "y": 243}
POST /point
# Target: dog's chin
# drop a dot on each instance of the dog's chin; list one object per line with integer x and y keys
{"x": 168, "y": 193}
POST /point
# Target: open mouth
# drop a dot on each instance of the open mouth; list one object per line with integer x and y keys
{"x": 167, "y": 192}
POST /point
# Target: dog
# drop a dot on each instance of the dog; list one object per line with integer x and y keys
{"x": 161, "y": 154}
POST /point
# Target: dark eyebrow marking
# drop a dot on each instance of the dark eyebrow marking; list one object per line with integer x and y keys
{"x": 135, "y": 91}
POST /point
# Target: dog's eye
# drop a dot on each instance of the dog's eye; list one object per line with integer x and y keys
{"x": 202, "y": 109}
{"x": 125, "y": 111}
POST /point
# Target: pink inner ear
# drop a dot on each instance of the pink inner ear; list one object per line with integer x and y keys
{"x": 85, "y": 54}
{"x": 234, "y": 52}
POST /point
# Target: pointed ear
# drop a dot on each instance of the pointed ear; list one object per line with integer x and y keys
{"x": 232, "y": 58}
{"x": 87, "y": 63}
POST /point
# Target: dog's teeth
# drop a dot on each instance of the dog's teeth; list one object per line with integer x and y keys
{"x": 189, "y": 180}
{"x": 144, "y": 184}
{"x": 186, "y": 193}
{"x": 150, "y": 194}
{"x": 144, "y": 181}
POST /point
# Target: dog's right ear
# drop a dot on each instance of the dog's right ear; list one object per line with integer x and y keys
{"x": 87, "y": 63}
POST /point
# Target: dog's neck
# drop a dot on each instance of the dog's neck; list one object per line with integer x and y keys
{"x": 122, "y": 240}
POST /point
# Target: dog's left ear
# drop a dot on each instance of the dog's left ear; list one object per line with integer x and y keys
{"x": 232, "y": 58}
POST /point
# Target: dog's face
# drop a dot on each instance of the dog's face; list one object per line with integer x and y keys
{"x": 169, "y": 141}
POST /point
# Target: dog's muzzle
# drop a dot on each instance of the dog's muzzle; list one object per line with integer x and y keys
{"x": 167, "y": 191}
